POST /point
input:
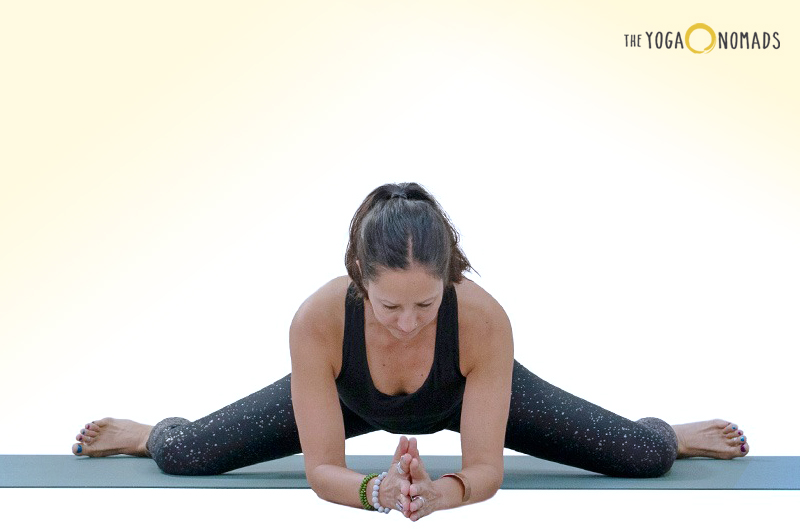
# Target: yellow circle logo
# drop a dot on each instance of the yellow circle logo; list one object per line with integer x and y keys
{"x": 710, "y": 31}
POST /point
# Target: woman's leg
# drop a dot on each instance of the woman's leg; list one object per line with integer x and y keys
{"x": 255, "y": 429}
{"x": 547, "y": 422}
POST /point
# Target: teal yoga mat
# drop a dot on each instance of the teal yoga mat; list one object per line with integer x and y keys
{"x": 521, "y": 472}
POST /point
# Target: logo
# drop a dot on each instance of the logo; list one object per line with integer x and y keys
{"x": 733, "y": 40}
{"x": 706, "y": 27}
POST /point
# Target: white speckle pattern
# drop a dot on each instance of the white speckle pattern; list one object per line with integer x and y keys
{"x": 544, "y": 421}
{"x": 549, "y": 423}
{"x": 255, "y": 429}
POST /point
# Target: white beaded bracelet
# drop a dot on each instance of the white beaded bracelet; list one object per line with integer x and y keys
{"x": 375, "y": 491}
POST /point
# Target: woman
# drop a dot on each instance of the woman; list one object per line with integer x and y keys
{"x": 406, "y": 344}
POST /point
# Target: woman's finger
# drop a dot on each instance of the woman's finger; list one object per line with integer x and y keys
{"x": 403, "y": 465}
{"x": 417, "y": 470}
{"x": 402, "y": 448}
{"x": 405, "y": 502}
{"x": 413, "y": 490}
{"x": 412, "y": 447}
{"x": 405, "y": 487}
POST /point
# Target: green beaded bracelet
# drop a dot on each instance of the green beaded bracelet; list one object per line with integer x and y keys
{"x": 362, "y": 492}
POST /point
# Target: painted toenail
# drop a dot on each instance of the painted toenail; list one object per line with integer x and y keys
{"x": 743, "y": 449}
{"x": 80, "y": 437}
{"x": 80, "y": 449}
{"x": 734, "y": 427}
{"x": 740, "y": 433}
{"x": 742, "y": 438}
{"x": 83, "y": 431}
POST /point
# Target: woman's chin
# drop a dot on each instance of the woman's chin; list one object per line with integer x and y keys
{"x": 402, "y": 335}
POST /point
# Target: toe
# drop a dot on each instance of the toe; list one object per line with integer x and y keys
{"x": 92, "y": 431}
{"x": 84, "y": 439}
{"x": 736, "y": 441}
{"x": 733, "y": 433}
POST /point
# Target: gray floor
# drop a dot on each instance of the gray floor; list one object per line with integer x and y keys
{"x": 521, "y": 472}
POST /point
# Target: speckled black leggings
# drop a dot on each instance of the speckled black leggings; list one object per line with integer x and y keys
{"x": 544, "y": 421}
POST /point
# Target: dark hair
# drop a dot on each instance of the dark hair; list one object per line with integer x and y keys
{"x": 397, "y": 223}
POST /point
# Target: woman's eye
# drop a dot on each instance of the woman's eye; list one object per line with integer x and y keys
{"x": 393, "y": 307}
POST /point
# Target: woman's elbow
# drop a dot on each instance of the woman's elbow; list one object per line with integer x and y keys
{"x": 497, "y": 481}
{"x": 315, "y": 484}
{"x": 494, "y": 480}
{"x": 321, "y": 487}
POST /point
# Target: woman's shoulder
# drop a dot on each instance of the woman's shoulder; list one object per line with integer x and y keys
{"x": 323, "y": 310}
{"x": 482, "y": 322}
{"x": 477, "y": 306}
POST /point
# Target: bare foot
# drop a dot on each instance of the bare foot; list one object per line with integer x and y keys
{"x": 712, "y": 439}
{"x": 110, "y": 436}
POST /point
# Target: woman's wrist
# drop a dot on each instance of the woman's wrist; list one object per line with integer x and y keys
{"x": 370, "y": 490}
{"x": 383, "y": 497}
{"x": 465, "y": 487}
{"x": 365, "y": 491}
{"x": 376, "y": 491}
{"x": 371, "y": 485}
{"x": 450, "y": 492}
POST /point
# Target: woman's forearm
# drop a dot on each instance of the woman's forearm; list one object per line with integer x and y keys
{"x": 341, "y": 485}
{"x": 338, "y": 484}
{"x": 483, "y": 481}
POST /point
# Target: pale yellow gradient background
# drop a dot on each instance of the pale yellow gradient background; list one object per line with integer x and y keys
{"x": 177, "y": 177}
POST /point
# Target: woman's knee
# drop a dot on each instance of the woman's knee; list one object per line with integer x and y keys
{"x": 652, "y": 461}
{"x": 172, "y": 453}
{"x": 176, "y": 458}
{"x": 663, "y": 454}
{"x": 655, "y": 467}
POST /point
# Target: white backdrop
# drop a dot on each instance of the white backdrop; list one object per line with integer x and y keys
{"x": 655, "y": 292}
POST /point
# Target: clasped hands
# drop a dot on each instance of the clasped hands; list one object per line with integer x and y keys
{"x": 407, "y": 486}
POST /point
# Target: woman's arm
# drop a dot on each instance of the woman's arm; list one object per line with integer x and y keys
{"x": 487, "y": 397}
{"x": 487, "y": 351}
{"x": 315, "y": 338}
{"x": 489, "y": 364}
{"x": 312, "y": 337}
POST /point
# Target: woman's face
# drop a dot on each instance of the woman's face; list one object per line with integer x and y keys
{"x": 405, "y": 301}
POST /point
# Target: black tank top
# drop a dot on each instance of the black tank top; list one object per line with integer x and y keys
{"x": 437, "y": 403}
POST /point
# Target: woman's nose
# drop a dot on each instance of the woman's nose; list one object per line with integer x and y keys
{"x": 407, "y": 323}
